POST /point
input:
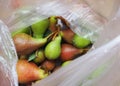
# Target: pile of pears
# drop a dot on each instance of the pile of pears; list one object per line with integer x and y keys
{"x": 46, "y": 46}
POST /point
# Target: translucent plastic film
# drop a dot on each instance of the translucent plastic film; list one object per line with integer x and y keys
{"x": 8, "y": 58}
{"x": 84, "y": 21}
{"x": 97, "y": 68}
{"x": 84, "y": 71}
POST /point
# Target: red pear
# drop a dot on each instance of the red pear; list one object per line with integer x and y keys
{"x": 25, "y": 44}
{"x": 48, "y": 65}
{"x": 72, "y": 38}
{"x": 69, "y": 52}
{"x": 29, "y": 71}
{"x": 67, "y": 35}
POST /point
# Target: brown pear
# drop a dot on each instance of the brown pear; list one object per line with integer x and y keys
{"x": 69, "y": 52}
{"x": 25, "y": 44}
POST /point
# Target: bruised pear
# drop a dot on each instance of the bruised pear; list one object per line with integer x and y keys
{"x": 69, "y": 52}
{"x": 25, "y": 44}
{"x": 70, "y": 37}
{"x": 39, "y": 28}
{"x": 29, "y": 71}
{"x": 53, "y": 48}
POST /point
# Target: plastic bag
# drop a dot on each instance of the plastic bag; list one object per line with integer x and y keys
{"x": 84, "y": 21}
{"x": 99, "y": 67}
{"x": 8, "y": 58}
{"x": 93, "y": 69}
{"x": 90, "y": 69}
{"x": 27, "y": 16}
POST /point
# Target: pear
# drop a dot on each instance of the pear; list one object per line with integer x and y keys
{"x": 21, "y": 30}
{"x": 48, "y": 65}
{"x": 53, "y": 48}
{"x": 53, "y": 22}
{"x": 25, "y": 44}
{"x": 80, "y": 42}
{"x": 67, "y": 35}
{"x": 29, "y": 71}
{"x": 66, "y": 63}
{"x": 37, "y": 56}
{"x": 39, "y": 28}
{"x": 40, "y": 57}
{"x": 69, "y": 52}
{"x": 70, "y": 37}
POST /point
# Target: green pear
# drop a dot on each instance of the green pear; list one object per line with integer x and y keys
{"x": 21, "y": 30}
{"x": 80, "y": 42}
{"x": 72, "y": 38}
{"x": 39, "y": 28}
{"x": 37, "y": 57}
{"x": 66, "y": 63}
{"x": 40, "y": 57}
{"x": 53, "y": 48}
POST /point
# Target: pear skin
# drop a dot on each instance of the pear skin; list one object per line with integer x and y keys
{"x": 39, "y": 28}
{"x": 66, "y": 63}
{"x": 40, "y": 56}
{"x": 25, "y": 44}
{"x": 69, "y": 52}
{"x": 70, "y": 37}
{"x": 21, "y": 30}
{"x": 28, "y": 72}
{"x": 53, "y": 22}
{"x": 80, "y": 42}
{"x": 53, "y": 49}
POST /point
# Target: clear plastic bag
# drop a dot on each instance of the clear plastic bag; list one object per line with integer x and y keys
{"x": 8, "y": 58}
{"x": 84, "y": 21}
{"x": 90, "y": 20}
{"x": 99, "y": 67}
{"x": 93, "y": 69}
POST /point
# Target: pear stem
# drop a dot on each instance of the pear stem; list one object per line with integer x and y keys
{"x": 57, "y": 32}
{"x": 50, "y": 35}
{"x": 55, "y": 35}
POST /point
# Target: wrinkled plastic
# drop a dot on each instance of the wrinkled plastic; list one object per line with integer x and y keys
{"x": 93, "y": 69}
{"x": 84, "y": 21}
{"x": 99, "y": 67}
{"x": 80, "y": 15}
{"x": 8, "y": 58}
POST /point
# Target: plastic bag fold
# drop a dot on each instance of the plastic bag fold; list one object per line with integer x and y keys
{"x": 84, "y": 21}
{"x": 96, "y": 68}
{"x": 8, "y": 57}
